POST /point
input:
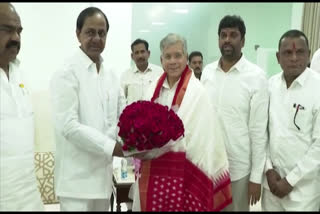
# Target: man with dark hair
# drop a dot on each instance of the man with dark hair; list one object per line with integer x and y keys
{"x": 239, "y": 92}
{"x": 87, "y": 100}
{"x": 292, "y": 167}
{"x": 195, "y": 63}
{"x": 18, "y": 184}
{"x": 136, "y": 79}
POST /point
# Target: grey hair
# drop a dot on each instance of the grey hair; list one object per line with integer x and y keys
{"x": 172, "y": 39}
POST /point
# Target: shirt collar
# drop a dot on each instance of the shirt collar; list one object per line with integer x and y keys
{"x": 12, "y": 69}
{"x": 166, "y": 84}
{"x": 239, "y": 66}
{"x": 136, "y": 70}
{"x": 301, "y": 79}
{"x": 85, "y": 60}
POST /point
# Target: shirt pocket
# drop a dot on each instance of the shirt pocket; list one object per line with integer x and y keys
{"x": 302, "y": 118}
{"x": 135, "y": 91}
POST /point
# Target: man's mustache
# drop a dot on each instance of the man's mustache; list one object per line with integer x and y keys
{"x": 13, "y": 44}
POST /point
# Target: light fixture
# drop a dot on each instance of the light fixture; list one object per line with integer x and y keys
{"x": 181, "y": 11}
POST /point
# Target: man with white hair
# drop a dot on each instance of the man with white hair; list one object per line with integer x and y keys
{"x": 193, "y": 175}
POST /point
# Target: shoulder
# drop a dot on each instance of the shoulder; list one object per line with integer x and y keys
{"x": 275, "y": 79}
{"x": 67, "y": 70}
{"x": 195, "y": 86}
{"x": 209, "y": 70}
{"x": 254, "y": 69}
{"x": 211, "y": 66}
{"x": 314, "y": 77}
{"x": 156, "y": 68}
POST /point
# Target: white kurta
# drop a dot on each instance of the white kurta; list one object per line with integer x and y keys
{"x": 295, "y": 153}
{"x": 135, "y": 83}
{"x": 18, "y": 185}
{"x": 86, "y": 107}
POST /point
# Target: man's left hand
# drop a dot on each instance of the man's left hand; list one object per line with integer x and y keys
{"x": 283, "y": 188}
{"x": 254, "y": 193}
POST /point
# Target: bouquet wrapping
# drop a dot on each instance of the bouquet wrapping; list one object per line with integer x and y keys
{"x": 150, "y": 128}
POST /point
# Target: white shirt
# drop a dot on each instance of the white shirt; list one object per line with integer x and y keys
{"x": 135, "y": 83}
{"x": 315, "y": 62}
{"x": 86, "y": 107}
{"x": 167, "y": 93}
{"x": 15, "y": 98}
{"x": 18, "y": 186}
{"x": 295, "y": 153}
{"x": 240, "y": 97}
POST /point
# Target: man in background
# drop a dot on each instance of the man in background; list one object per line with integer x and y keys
{"x": 136, "y": 80}
{"x": 196, "y": 62}
{"x": 239, "y": 91}
{"x": 18, "y": 185}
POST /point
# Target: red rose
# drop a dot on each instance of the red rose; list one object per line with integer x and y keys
{"x": 145, "y": 125}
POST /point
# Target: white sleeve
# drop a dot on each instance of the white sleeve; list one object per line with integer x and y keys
{"x": 65, "y": 100}
{"x": 258, "y": 121}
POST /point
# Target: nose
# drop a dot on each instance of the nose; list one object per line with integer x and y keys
{"x": 294, "y": 56}
{"x": 15, "y": 36}
{"x": 227, "y": 38}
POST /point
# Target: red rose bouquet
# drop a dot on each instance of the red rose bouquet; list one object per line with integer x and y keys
{"x": 145, "y": 126}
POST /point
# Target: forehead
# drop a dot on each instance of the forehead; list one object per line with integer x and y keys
{"x": 293, "y": 43}
{"x": 196, "y": 58}
{"x": 95, "y": 21}
{"x": 230, "y": 30}
{"x": 139, "y": 46}
{"x": 176, "y": 47}
{"x": 10, "y": 18}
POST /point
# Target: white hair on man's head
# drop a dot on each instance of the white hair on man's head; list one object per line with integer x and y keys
{"x": 172, "y": 39}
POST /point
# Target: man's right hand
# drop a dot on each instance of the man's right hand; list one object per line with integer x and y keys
{"x": 272, "y": 178}
{"x": 117, "y": 151}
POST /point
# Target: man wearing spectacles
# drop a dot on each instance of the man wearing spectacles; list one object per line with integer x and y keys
{"x": 292, "y": 167}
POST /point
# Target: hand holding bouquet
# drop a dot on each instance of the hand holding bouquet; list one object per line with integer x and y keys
{"x": 145, "y": 127}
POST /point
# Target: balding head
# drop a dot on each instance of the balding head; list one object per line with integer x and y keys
{"x": 4, "y": 7}
{"x": 10, "y": 29}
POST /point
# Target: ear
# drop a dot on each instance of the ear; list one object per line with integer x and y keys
{"x": 78, "y": 34}
{"x": 132, "y": 56}
{"x": 243, "y": 42}
{"x": 278, "y": 57}
{"x": 148, "y": 53}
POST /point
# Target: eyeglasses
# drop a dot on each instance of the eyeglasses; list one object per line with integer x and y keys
{"x": 297, "y": 107}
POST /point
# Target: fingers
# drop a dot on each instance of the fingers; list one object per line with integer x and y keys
{"x": 253, "y": 198}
